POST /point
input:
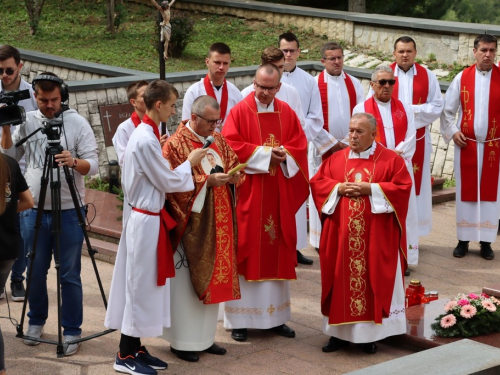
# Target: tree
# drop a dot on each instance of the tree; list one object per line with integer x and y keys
{"x": 34, "y": 8}
{"x": 357, "y": 6}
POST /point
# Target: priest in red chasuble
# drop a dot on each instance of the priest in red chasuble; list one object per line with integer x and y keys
{"x": 205, "y": 236}
{"x": 475, "y": 95}
{"x": 266, "y": 133}
{"x": 362, "y": 194}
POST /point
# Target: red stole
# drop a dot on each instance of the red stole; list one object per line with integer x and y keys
{"x": 135, "y": 119}
{"x": 399, "y": 120}
{"x": 468, "y": 154}
{"x": 220, "y": 288}
{"x": 164, "y": 253}
{"x": 420, "y": 95}
{"x": 323, "y": 91}
{"x": 147, "y": 120}
{"x": 225, "y": 96}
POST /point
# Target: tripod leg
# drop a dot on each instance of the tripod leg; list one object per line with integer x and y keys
{"x": 81, "y": 221}
{"x": 55, "y": 194}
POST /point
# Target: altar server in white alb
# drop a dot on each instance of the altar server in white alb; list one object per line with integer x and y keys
{"x": 475, "y": 95}
{"x": 139, "y": 300}
{"x": 418, "y": 87}
{"x": 214, "y": 84}
{"x": 311, "y": 105}
{"x": 339, "y": 92}
{"x": 396, "y": 131}
{"x": 286, "y": 92}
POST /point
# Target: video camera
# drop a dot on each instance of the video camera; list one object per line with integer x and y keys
{"x": 13, "y": 114}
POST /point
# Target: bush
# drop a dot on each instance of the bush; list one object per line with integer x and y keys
{"x": 182, "y": 27}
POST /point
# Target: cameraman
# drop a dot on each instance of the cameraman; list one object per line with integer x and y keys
{"x": 10, "y": 80}
{"x": 80, "y": 153}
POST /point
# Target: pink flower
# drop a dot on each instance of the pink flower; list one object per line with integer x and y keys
{"x": 489, "y": 306}
{"x": 468, "y": 311}
{"x": 463, "y": 302}
{"x": 473, "y": 296}
{"x": 450, "y": 305}
{"x": 485, "y": 295}
{"x": 448, "y": 321}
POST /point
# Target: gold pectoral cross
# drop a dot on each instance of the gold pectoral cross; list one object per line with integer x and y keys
{"x": 493, "y": 132}
{"x": 272, "y": 142}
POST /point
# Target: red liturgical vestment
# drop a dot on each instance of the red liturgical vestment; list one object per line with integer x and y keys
{"x": 269, "y": 201}
{"x": 359, "y": 249}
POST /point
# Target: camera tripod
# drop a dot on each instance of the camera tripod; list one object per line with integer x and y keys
{"x": 52, "y": 173}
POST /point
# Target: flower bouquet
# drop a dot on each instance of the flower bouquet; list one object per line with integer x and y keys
{"x": 469, "y": 315}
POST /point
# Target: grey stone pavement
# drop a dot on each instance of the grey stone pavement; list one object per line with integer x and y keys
{"x": 264, "y": 352}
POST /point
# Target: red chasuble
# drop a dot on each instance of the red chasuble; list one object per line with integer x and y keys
{"x": 420, "y": 95}
{"x": 358, "y": 250}
{"x": 468, "y": 155}
{"x": 269, "y": 201}
{"x": 209, "y": 237}
{"x": 399, "y": 120}
{"x": 323, "y": 91}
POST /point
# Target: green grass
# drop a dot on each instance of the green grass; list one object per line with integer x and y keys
{"x": 77, "y": 29}
{"x": 449, "y": 183}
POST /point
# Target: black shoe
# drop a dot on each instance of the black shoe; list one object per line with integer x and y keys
{"x": 461, "y": 249}
{"x": 369, "y": 348}
{"x": 303, "y": 260}
{"x": 407, "y": 272}
{"x": 486, "y": 250}
{"x": 17, "y": 291}
{"x": 317, "y": 249}
{"x": 215, "y": 349}
{"x": 334, "y": 344}
{"x": 284, "y": 330}
{"x": 239, "y": 334}
{"x": 185, "y": 355}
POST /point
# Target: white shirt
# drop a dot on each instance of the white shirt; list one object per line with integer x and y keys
{"x": 198, "y": 89}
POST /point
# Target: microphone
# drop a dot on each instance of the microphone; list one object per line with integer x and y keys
{"x": 208, "y": 142}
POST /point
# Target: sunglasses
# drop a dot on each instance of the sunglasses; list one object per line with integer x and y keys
{"x": 8, "y": 71}
{"x": 383, "y": 82}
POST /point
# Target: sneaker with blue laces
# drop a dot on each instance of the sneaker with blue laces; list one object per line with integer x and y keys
{"x": 151, "y": 361}
{"x": 132, "y": 365}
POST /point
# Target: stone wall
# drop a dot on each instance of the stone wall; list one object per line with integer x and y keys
{"x": 32, "y": 69}
{"x": 449, "y": 41}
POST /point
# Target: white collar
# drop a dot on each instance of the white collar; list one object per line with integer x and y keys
{"x": 264, "y": 107}
{"x": 413, "y": 69}
{"x": 201, "y": 138}
{"x": 328, "y": 76}
{"x": 363, "y": 154}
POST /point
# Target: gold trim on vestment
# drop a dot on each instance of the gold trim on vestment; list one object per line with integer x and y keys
{"x": 357, "y": 260}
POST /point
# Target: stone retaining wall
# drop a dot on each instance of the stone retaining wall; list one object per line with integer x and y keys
{"x": 448, "y": 41}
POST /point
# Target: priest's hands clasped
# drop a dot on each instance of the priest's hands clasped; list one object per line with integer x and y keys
{"x": 278, "y": 156}
{"x": 355, "y": 189}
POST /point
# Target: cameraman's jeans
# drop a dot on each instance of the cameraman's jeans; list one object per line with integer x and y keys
{"x": 21, "y": 262}
{"x": 71, "y": 239}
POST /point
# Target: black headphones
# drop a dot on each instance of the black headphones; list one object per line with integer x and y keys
{"x": 59, "y": 81}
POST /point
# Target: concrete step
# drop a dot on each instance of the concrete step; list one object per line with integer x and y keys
{"x": 463, "y": 357}
{"x": 106, "y": 251}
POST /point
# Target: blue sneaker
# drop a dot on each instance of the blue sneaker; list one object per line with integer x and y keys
{"x": 151, "y": 361}
{"x": 132, "y": 365}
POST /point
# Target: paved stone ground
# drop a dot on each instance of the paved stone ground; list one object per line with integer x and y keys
{"x": 263, "y": 353}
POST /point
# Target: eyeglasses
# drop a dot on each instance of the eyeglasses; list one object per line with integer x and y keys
{"x": 8, "y": 71}
{"x": 290, "y": 51}
{"x": 333, "y": 58}
{"x": 264, "y": 88}
{"x": 383, "y": 82}
{"x": 210, "y": 122}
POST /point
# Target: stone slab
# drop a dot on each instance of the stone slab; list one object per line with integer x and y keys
{"x": 493, "y": 290}
{"x": 459, "y": 358}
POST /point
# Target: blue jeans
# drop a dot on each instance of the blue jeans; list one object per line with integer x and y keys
{"x": 21, "y": 262}
{"x": 70, "y": 240}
